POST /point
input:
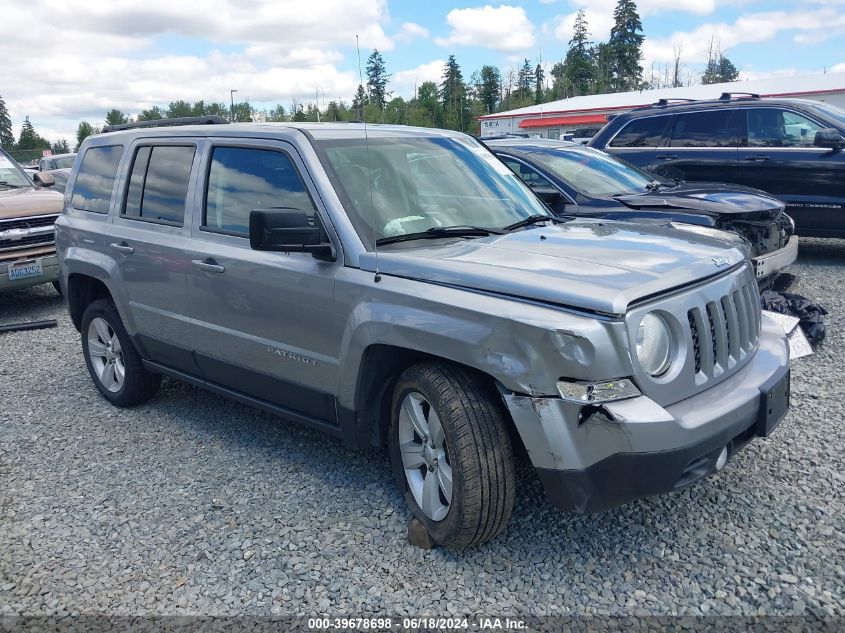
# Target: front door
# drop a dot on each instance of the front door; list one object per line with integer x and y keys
{"x": 265, "y": 322}
{"x": 777, "y": 155}
{"x": 702, "y": 146}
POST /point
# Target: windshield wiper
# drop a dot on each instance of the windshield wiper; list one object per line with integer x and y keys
{"x": 532, "y": 219}
{"x": 9, "y": 184}
{"x": 440, "y": 231}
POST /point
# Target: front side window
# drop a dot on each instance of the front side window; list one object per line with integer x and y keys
{"x": 242, "y": 179}
{"x": 63, "y": 162}
{"x": 770, "y": 127}
{"x": 703, "y": 129}
{"x": 95, "y": 179}
{"x": 594, "y": 173}
{"x": 158, "y": 183}
{"x": 11, "y": 176}
{"x": 645, "y": 132}
{"x": 529, "y": 175}
{"x": 400, "y": 185}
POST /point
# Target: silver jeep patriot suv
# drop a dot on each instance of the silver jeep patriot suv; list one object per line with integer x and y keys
{"x": 401, "y": 287}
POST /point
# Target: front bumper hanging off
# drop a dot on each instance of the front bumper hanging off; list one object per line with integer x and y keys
{"x": 636, "y": 448}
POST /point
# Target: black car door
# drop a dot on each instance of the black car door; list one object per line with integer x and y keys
{"x": 777, "y": 155}
{"x": 701, "y": 146}
{"x": 639, "y": 141}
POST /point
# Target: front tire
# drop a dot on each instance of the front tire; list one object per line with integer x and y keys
{"x": 112, "y": 360}
{"x": 451, "y": 453}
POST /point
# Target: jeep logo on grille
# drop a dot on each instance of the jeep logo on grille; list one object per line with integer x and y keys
{"x": 720, "y": 262}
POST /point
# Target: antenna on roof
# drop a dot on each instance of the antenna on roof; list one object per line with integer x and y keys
{"x": 369, "y": 168}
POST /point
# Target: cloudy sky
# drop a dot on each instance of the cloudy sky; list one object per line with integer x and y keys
{"x": 69, "y": 60}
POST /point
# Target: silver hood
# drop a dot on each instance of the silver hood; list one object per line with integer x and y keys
{"x": 593, "y": 265}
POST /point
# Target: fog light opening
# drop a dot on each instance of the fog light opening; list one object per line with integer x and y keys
{"x": 722, "y": 459}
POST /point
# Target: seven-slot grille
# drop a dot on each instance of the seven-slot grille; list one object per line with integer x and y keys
{"x": 27, "y": 232}
{"x": 725, "y": 331}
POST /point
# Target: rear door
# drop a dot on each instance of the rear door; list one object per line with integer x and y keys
{"x": 702, "y": 146}
{"x": 149, "y": 240}
{"x": 777, "y": 155}
{"x": 265, "y": 323}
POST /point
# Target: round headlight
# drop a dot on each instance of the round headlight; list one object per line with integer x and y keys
{"x": 654, "y": 344}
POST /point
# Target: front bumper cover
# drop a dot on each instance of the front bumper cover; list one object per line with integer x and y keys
{"x": 49, "y": 263}
{"x": 636, "y": 448}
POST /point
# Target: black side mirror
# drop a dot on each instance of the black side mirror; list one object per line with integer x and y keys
{"x": 287, "y": 230}
{"x": 547, "y": 194}
{"x": 43, "y": 179}
{"x": 829, "y": 137}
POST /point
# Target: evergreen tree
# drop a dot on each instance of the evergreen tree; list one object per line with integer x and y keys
{"x": 579, "y": 68}
{"x": 453, "y": 96}
{"x": 560, "y": 81}
{"x": 719, "y": 68}
{"x": 29, "y": 138}
{"x": 602, "y": 57}
{"x": 377, "y": 79}
{"x": 299, "y": 114}
{"x": 217, "y": 108}
{"x": 525, "y": 81}
{"x": 242, "y": 111}
{"x": 180, "y": 108}
{"x": 489, "y": 88}
{"x": 7, "y": 137}
{"x": 277, "y": 114}
{"x": 116, "y": 117}
{"x": 152, "y": 114}
{"x": 60, "y": 147}
{"x": 358, "y": 102}
{"x": 334, "y": 112}
{"x": 82, "y": 132}
{"x": 626, "y": 42}
{"x": 539, "y": 78}
{"x": 426, "y": 105}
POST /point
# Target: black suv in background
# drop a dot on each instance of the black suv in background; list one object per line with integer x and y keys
{"x": 790, "y": 148}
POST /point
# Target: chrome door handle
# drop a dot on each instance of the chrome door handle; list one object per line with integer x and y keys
{"x": 757, "y": 158}
{"x": 208, "y": 266}
{"x": 122, "y": 247}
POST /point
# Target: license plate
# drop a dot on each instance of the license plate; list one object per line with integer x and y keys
{"x": 26, "y": 269}
{"x": 774, "y": 403}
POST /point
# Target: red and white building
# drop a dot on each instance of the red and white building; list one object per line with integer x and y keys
{"x": 551, "y": 120}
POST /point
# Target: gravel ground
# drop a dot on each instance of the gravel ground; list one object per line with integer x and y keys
{"x": 193, "y": 504}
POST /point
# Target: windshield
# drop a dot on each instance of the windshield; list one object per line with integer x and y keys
{"x": 407, "y": 185}
{"x": 63, "y": 162}
{"x": 832, "y": 112}
{"x": 10, "y": 174}
{"x": 594, "y": 173}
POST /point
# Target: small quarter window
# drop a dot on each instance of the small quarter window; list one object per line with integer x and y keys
{"x": 95, "y": 179}
{"x": 645, "y": 132}
{"x": 242, "y": 179}
{"x": 158, "y": 183}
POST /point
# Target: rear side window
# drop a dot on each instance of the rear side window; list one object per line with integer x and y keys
{"x": 529, "y": 176}
{"x": 703, "y": 129}
{"x": 158, "y": 183}
{"x": 241, "y": 179}
{"x": 645, "y": 132}
{"x": 95, "y": 179}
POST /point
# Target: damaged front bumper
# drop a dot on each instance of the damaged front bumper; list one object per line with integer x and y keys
{"x": 776, "y": 261}
{"x": 634, "y": 448}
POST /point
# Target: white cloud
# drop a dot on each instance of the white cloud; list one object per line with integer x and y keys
{"x": 410, "y": 30}
{"x": 810, "y": 27}
{"x": 404, "y": 82}
{"x": 503, "y": 28}
{"x": 106, "y": 53}
{"x": 599, "y": 24}
{"x": 838, "y": 68}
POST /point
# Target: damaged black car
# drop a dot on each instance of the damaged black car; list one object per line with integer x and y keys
{"x": 580, "y": 181}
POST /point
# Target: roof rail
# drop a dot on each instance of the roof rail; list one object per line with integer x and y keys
{"x": 727, "y": 96}
{"x": 669, "y": 101}
{"x": 211, "y": 119}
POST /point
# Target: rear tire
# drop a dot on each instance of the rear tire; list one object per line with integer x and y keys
{"x": 451, "y": 453}
{"x": 112, "y": 360}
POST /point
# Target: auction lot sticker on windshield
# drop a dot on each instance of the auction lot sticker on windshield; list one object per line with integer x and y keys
{"x": 25, "y": 269}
